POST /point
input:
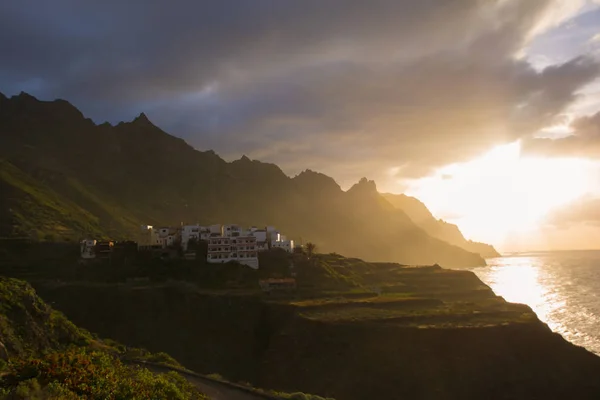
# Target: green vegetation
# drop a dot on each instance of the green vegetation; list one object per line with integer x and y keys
{"x": 29, "y": 326}
{"x": 40, "y": 212}
{"x": 79, "y": 373}
{"x": 161, "y": 358}
{"x": 51, "y": 358}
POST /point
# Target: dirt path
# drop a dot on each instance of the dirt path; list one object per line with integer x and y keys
{"x": 215, "y": 390}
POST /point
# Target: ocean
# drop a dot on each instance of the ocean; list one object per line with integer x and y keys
{"x": 563, "y": 288}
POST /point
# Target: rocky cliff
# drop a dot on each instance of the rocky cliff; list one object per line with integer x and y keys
{"x": 429, "y": 334}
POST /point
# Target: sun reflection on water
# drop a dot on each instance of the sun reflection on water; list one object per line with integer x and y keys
{"x": 562, "y": 292}
{"x": 519, "y": 281}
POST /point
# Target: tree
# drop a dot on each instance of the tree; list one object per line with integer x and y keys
{"x": 311, "y": 249}
{"x": 192, "y": 244}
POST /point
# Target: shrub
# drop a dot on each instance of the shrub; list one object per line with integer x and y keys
{"x": 91, "y": 374}
{"x": 162, "y": 358}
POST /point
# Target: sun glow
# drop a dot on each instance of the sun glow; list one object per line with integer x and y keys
{"x": 502, "y": 193}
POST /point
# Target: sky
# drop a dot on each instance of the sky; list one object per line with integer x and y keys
{"x": 486, "y": 110}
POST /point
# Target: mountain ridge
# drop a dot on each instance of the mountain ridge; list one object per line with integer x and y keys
{"x": 420, "y": 214}
{"x": 135, "y": 173}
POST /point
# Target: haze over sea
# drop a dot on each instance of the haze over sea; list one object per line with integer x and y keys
{"x": 563, "y": 288}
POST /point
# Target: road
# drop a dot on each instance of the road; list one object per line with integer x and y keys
{"x": 214, "y": 390}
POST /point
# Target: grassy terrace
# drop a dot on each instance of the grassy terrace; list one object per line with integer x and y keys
{"x": 417, "y": 312}
{"x": 421, "y": 297}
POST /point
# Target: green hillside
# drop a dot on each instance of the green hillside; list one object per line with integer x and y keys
{"x": 63, "y": 177}
{"x": 45, "y": 356}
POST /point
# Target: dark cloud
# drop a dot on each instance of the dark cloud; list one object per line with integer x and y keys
{"x": 584, "y": 142}
{"x": 347, "y": 87}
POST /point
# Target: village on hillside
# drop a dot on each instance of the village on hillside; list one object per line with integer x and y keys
{"x": 225, "y": 243}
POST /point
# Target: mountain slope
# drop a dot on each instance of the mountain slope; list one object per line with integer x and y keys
{"x": 106, "y": 180}
{"x": 29, "y": 326}
{"x": 51, "y": 358}
{"x": 420, "y": 215}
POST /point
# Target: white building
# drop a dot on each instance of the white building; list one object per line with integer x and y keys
{"x": 146, "y": 238}
{"x": 225, "y": 242}
{"x": 242, "y": 249}
{"x": 189, "y": 232}
{"x": 88, "y": 249}
{"x": 262, "y": 241}
{"x": 166, "y": 236}
{"x": 287, "y": 245}
{"x": 232, "y": 230}
{"x": 215, "y": 230}
{"x": 198, "y": 232}
{"x": 158, "y": 237}
{"x": 204, "y": 232}
{"x": 272, "y": 233}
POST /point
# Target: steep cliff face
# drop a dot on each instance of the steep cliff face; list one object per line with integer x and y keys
{"x": 450, "y": 233}
{"x": 352, "y": 361}
{"x": 353, "y": 349}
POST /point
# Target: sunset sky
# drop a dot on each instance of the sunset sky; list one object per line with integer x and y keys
{"x": 485, "y": 110}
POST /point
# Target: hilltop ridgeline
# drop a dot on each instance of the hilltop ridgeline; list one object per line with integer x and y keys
{"x": 62, "y": 176}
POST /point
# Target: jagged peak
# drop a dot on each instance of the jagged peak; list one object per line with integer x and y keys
{"x": 142, "y": 119}
{"x": 246, "y": 166}
{"x": 308, "y": 172}
{"x": 24, "y": 96}
{"x": 365, "y": 185}
{"x": 245, "y": 160}
{"x": 317, "y": 179}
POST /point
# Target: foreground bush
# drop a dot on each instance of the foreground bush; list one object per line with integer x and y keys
{"x": 83, "y": 374}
